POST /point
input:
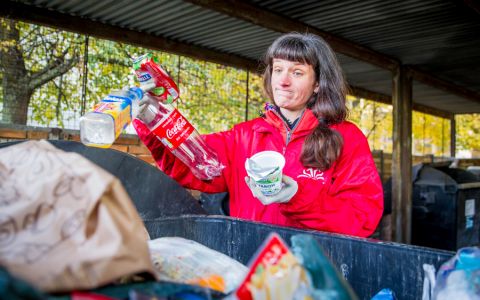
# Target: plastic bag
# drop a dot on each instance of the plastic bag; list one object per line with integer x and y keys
{"x": 185, "y": 261}
{"x": 459, "y": 277}
{"x": 62, "y": 220}
{"x": 428, "y": 281}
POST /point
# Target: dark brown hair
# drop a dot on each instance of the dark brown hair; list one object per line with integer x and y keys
{"x": 324, "y": 145}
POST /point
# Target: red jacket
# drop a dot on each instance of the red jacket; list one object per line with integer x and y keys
{"x": 347, "y": 198}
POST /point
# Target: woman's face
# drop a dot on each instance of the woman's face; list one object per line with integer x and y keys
{"x": 292, "y": 84}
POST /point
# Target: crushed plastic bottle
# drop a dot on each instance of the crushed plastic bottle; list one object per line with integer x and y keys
{"x": 181, "y": 138}
{"x": 168, "y": 124}
{"x": 103, "y": 124}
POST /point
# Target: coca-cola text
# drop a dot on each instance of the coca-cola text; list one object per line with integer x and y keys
{"x": 178, "y": 127}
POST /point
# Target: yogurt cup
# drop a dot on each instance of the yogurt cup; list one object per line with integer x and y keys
{"x": 266, "y": 169}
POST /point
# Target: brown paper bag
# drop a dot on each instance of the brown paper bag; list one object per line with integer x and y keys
{"x": 65, "y": 223}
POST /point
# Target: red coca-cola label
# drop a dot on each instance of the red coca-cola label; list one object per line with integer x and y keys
{"x": 173, "y": 130}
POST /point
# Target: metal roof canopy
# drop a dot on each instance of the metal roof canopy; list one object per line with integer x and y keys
{"x": 436, "y": 39}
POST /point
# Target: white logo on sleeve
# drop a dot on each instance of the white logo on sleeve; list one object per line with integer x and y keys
{"x": 312, "y": 173}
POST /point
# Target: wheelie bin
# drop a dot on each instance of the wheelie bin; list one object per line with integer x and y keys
{"x": 446, "y": 207}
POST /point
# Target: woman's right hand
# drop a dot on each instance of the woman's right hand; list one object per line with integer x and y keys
{"x": 289, "y": 189}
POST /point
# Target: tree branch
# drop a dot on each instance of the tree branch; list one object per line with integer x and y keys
{"x": 110, "y": 60}
{"x": 377, "y": 122}
{"x": 54, "y": 69}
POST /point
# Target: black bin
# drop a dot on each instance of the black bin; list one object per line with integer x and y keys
{"x": 368, "y": 265}
{"x": 446, "y": 207}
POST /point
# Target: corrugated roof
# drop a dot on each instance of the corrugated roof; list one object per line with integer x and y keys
{"x": 435, "y": 36}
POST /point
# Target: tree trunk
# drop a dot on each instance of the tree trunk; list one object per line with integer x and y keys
{"x": 16, "y": 98}
{"x": 16, "y": 93}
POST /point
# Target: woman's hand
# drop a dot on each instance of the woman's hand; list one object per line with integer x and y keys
{"x": 289, "y": 189}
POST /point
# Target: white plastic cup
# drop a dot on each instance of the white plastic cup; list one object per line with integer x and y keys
{"x": 270, "y": 179}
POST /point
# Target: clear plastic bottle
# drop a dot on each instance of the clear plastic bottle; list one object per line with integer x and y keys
{"x": 181, "y": 138}
{"x": 102, "y": 126}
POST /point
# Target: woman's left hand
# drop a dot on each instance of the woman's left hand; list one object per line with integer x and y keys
{"x": 289, "y": 189}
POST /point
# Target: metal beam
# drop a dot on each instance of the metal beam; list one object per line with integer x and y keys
{"x": 386, "y": 99}
{"x": 261, "y": 17}
{"x": 42, "y": 16}
{"x": 443, "y": 85}
{"x": 402, "y": 156}
{"x": 431, "y": 111}
{"x": 367, "y": 94}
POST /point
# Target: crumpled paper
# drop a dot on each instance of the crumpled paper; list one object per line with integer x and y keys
{"x": 65, "y": 223}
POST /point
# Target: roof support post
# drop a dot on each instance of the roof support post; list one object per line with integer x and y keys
{"x": 453, "y": 136}
{"x": 402, "y": 155}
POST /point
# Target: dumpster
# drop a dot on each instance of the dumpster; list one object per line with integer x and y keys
{"x": 445, "y": 208}
{"x": 368, "y": 265}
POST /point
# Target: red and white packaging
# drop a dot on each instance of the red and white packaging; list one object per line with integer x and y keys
{"x": 275, "y": 273}
{"x": 148, "y": 70}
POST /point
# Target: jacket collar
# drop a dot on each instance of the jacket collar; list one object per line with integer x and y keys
{"x": 305, "y": 125}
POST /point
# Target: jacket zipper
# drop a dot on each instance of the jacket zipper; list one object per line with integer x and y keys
{"x": 289, "y": 133}
{"x": 288, "y": 130}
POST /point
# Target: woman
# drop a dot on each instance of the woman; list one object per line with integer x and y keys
{"x": 331, "y": 182}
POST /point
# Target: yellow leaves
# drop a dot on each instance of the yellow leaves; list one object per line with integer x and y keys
{"x": 106, "y": 69}
{"x": 430, "y": 135}
{"x": 374, "y": 119}
{"x": 7, "y": 44}
{"x": 49, "y": 113}
{"x": 213, "y": 96}
{"x": 468, "y": 132}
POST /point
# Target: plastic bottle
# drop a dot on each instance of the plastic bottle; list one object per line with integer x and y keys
{"x": 102, "y": 126}
{"x": 181, "y": 138}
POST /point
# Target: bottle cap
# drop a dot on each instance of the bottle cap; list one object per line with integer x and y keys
{"x": 148, "y": 86}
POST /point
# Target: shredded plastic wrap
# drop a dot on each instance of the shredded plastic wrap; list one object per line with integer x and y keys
{"x": 459, "y": 277}
{"x": 185, "y": 261}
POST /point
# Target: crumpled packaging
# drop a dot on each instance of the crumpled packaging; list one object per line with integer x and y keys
{"x": 65, "y": 223}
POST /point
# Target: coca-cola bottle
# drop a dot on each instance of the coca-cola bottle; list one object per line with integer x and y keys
{"x": 181, "y": 138}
